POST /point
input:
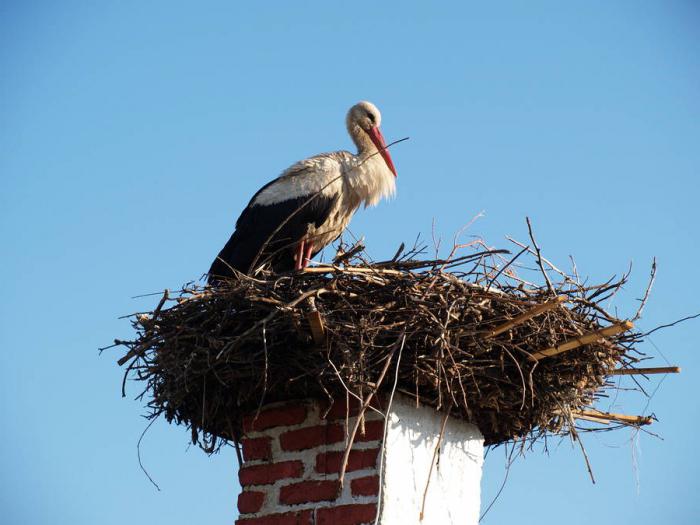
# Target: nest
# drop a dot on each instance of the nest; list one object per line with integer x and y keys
{"x": 465, "y": 335}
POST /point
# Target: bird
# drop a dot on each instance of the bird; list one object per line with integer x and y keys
{"x": 292, "y": 218}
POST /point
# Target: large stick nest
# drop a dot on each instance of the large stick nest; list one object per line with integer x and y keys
{"x": 209, "y": 355}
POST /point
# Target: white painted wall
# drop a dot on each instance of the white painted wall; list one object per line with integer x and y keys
{"x": 454, "y": 491}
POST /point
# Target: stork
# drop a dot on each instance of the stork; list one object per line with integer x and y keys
{"x": 290, "y": 219}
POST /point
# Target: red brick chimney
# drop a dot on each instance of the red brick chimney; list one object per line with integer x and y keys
{"x": 293, "y": 453}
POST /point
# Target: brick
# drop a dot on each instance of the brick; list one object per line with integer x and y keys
{"x": 315, "y": 436}
{"x": 340, "y": 409}
{"x": 250, "y": 501}
{"x": 269, "y": 473}
{"x": 303, "y": 517}
{"x": 309, "y": 491}
{"x": 310, "y": 437}
{"x": 374, "y": 431}
{"x": 329, "y": 462}
{"x": 346, "y": 515}
{"x": 275, "y": 417}
{"x": 367, "y": 486}
{"x": 257, "y": 448}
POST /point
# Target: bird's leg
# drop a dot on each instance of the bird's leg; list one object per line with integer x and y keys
{"x": 307, "y": 253}
{"x": 299, "y": 257}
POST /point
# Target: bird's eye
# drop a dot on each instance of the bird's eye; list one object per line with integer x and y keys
{"x": 371, "y": 117}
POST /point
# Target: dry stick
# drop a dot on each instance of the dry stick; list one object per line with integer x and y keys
{"x": 509, "y": 463}
{"x": 539, "y": 256}
{"x": 522, "y": 377}
{"x": 271, "y": 315}
{"x": 138, "y": 453}
{"x": 646, "y": 371}
{"x": 350, "y": 269}
{"x": 239, "y": 456}
{"x": 140, "y": 349}
{"x": 610, "y": 286}
{"x": 354, "y": 250}
{"x": 549, "y": 263}
{"x": 585, "y": 456}
{"x": 573, "y": 435}
{"x": 231, "y": 268}
{"x": 350, "y": 392}
{"x": 266, "y": 371}
{"x": 236, "y": 442}
{"x": 318, "y": 331}
{"x": 674, "y": 323}
{"x": 398, "y": 252}
{"x": 503, "y": 268}
{"x": 537, "y": 310}
{"x": 432, "y": 462}
{"x": 360, "y": 416}
{"x": 585, "y": 339}
{"x": 652, "y": 278}
{"x": 386, "y": 429}
{"x": 622, "y": 418}
{"x": 432, "y": 263}
{"x": 594, "y": 419}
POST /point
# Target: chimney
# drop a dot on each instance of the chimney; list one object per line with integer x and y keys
{"x": 293, "y": 454}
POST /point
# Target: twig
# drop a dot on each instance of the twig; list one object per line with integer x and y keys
{"x": 398, "y": 252}
{"x": 432, "y": 462}
{"x": 318, "y": 330}
{"x": 239, "y": 339}
{"x": 539, "y": 256}
{"x": 138, "y": 453}
{"x": 574, "y": 433}
{"x": 509, "y": 463}
{"x": 593, "y": 419}
{"x": 360, "y": 415}
{"x": 646, "y": 371}
{"x": 354, "y": 250}
{"x": 652, "y": 278}
{"x": 622, "y": 418}
{"x": 674, "y": 323}
{"x": 567, "y": 278}
{"x": 142, "y": 348}
{"x": 534, "y": 312}
{"x": 350, "y": 269}
{"x": 386, "y": 429}
{"x": 583, "y": 340}
{"x": 503, "y": 268}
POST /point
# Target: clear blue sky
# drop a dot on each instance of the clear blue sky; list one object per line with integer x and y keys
{"x": 133, "y": 133}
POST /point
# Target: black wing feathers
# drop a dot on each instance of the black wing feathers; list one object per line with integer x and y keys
{"x": 256, "y": 236}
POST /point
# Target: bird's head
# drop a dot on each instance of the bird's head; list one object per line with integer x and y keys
{"x": 363, "y": 123}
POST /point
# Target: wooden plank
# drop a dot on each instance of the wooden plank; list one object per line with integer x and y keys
{"x": 594, "y": 419}
{"x": 525, "y": 316}
{"x": 621, "y": 418}
{"x": 646, "y": 371}
{"x": 318, "y": 330}
{"x": 351, "y": 269}
{"x": 585, "y": 339}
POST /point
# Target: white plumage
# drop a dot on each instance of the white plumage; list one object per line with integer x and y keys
{"x": 293, "y": 217}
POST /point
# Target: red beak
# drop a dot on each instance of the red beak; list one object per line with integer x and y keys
{"x": 378, "y": 140}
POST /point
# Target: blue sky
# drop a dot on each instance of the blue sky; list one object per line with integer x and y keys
{"x": 133, "y": 133}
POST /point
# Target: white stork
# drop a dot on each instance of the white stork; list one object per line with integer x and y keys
{"x": 289, "y": 220}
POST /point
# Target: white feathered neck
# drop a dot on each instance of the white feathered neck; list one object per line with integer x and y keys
{"x": 369, "y": 178}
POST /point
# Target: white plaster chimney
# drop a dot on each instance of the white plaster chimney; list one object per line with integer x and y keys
{"x": 293, "y": 453}
{"x": 453, "y": 494}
